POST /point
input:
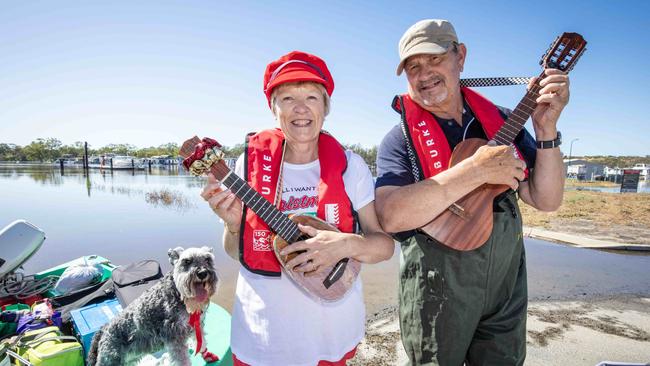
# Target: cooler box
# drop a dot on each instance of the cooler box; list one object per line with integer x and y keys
{"x": 89, "y": 319}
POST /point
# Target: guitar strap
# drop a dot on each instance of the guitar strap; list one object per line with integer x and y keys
{"x": 278, "y": 189}
{"x": 494, "y": 81}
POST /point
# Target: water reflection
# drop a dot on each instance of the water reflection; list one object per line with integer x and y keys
{"x": 122, "y": 216}
{"x": 562, "y": 271}
{"x": 105, "y": 180}
{"x": 39, "y": 174}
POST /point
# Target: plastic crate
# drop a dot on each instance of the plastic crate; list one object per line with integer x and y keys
{"x": 87, "y": 320}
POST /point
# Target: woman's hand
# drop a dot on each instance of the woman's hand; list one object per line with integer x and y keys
{"x": 323, "y": 250}
{"x": 224, "y": 203}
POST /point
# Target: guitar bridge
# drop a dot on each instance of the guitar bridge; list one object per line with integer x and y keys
{"x": 459, "y": 211}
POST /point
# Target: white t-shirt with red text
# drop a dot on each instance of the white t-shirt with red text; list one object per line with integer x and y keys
{"x": 274, "y": 322}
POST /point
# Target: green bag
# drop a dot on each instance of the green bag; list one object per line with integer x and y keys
{"x": 9, "y": 329}
{"x": 48, "y": 347}
{"x": 4, "y": 357}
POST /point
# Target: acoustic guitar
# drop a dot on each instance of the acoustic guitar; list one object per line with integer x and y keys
{"x": 467, "y": 224}
{"x": 330, "y": 284}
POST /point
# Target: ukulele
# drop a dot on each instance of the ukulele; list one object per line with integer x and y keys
{"x": 330, "y": 284}
{"x": 467, "y": 223}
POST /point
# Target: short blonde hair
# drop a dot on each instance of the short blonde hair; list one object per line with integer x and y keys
{"x": 319, "y": 86}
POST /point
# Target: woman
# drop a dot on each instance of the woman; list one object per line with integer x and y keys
{"x": 274, "y": 322}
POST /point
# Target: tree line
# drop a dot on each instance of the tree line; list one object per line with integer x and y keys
{"x": 51, "y": 149}
{"x": 616, "y": 161}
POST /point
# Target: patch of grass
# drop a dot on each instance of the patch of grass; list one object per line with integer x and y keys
{"x": 600, "y": 208}
{"x": 168, "y": 198}
{"x": 583, "y": 183}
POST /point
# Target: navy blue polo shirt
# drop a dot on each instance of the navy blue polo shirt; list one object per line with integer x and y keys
{"x": 394, "y": 166}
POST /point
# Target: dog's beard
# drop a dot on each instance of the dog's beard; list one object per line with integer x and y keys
{"x": 202, "y": 292}
{"x": 195, "y": 293}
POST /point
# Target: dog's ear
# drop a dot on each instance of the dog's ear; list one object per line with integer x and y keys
{"x": 210, "y": 252}
{"x": 174, "y": 254}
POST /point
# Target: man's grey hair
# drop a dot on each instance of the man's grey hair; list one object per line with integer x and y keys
{"x": 326, "y": 97}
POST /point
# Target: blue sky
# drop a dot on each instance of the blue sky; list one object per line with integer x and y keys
{"x": 151, "y": 72}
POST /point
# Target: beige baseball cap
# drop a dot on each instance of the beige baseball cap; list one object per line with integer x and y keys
{"x": 428, "y": 36}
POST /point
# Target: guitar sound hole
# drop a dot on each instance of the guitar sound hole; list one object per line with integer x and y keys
{"x": 294, "y": 254}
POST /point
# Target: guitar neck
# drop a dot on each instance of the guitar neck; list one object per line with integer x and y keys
{"x": 274, "y": 218}
{"x": 517, "y": 119}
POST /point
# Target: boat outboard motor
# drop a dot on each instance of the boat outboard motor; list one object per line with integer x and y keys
{"x": 18, "y": 242}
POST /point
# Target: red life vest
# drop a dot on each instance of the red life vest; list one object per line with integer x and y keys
{"x": 263, "y": 154}
{"x": 427, "y": 137}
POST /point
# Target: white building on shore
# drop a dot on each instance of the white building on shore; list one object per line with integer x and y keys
{"x": 582, "y": 169}
{"x": 643, "y": 169}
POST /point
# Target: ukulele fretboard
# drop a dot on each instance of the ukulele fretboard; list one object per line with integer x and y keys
{"x": 274, "y": 218}
{"x": 517, "y": 119}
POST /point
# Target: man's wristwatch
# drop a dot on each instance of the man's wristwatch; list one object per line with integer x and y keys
{"x": 550, "y": 144}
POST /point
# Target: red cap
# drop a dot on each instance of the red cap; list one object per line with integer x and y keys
{"x": 297, "y": 66}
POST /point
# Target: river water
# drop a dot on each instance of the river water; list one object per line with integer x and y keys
{"x": 120, "y": 216}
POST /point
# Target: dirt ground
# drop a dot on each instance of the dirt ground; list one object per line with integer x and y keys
{"x": 588, "y": 332}
{"x": 582, "y": 332}
{"x": 623, "y": 218}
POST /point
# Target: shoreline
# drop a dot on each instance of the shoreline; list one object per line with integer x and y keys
{"x": 581, "y": 241}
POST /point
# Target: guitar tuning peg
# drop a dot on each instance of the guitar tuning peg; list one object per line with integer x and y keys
{"x": 541, "y": 61}
{"x": 576, "y": 58}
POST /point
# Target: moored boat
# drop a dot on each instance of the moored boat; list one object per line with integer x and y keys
{"x": 116, "y": 162}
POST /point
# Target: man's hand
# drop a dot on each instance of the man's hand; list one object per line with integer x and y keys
{"x": 498, "y": 165}
{"x": 553, "y": 97}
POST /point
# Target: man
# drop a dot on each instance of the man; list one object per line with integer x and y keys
{"x": 462, "y": 306}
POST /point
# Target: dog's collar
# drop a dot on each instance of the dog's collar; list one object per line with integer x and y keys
{"x": 195, "y": 322}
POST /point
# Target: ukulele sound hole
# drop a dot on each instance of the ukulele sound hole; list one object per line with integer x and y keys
{"x": 294, "y": 254}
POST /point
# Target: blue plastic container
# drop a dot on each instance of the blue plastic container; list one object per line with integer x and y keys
{"x": 89, "y": 319}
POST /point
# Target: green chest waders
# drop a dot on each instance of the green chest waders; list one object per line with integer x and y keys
{"x": 469, "y": 306}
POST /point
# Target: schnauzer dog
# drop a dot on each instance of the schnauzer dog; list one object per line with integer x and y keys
{"x": 165, "y": 315}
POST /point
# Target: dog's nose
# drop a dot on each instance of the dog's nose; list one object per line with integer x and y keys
{"x": 202, "y": 274}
